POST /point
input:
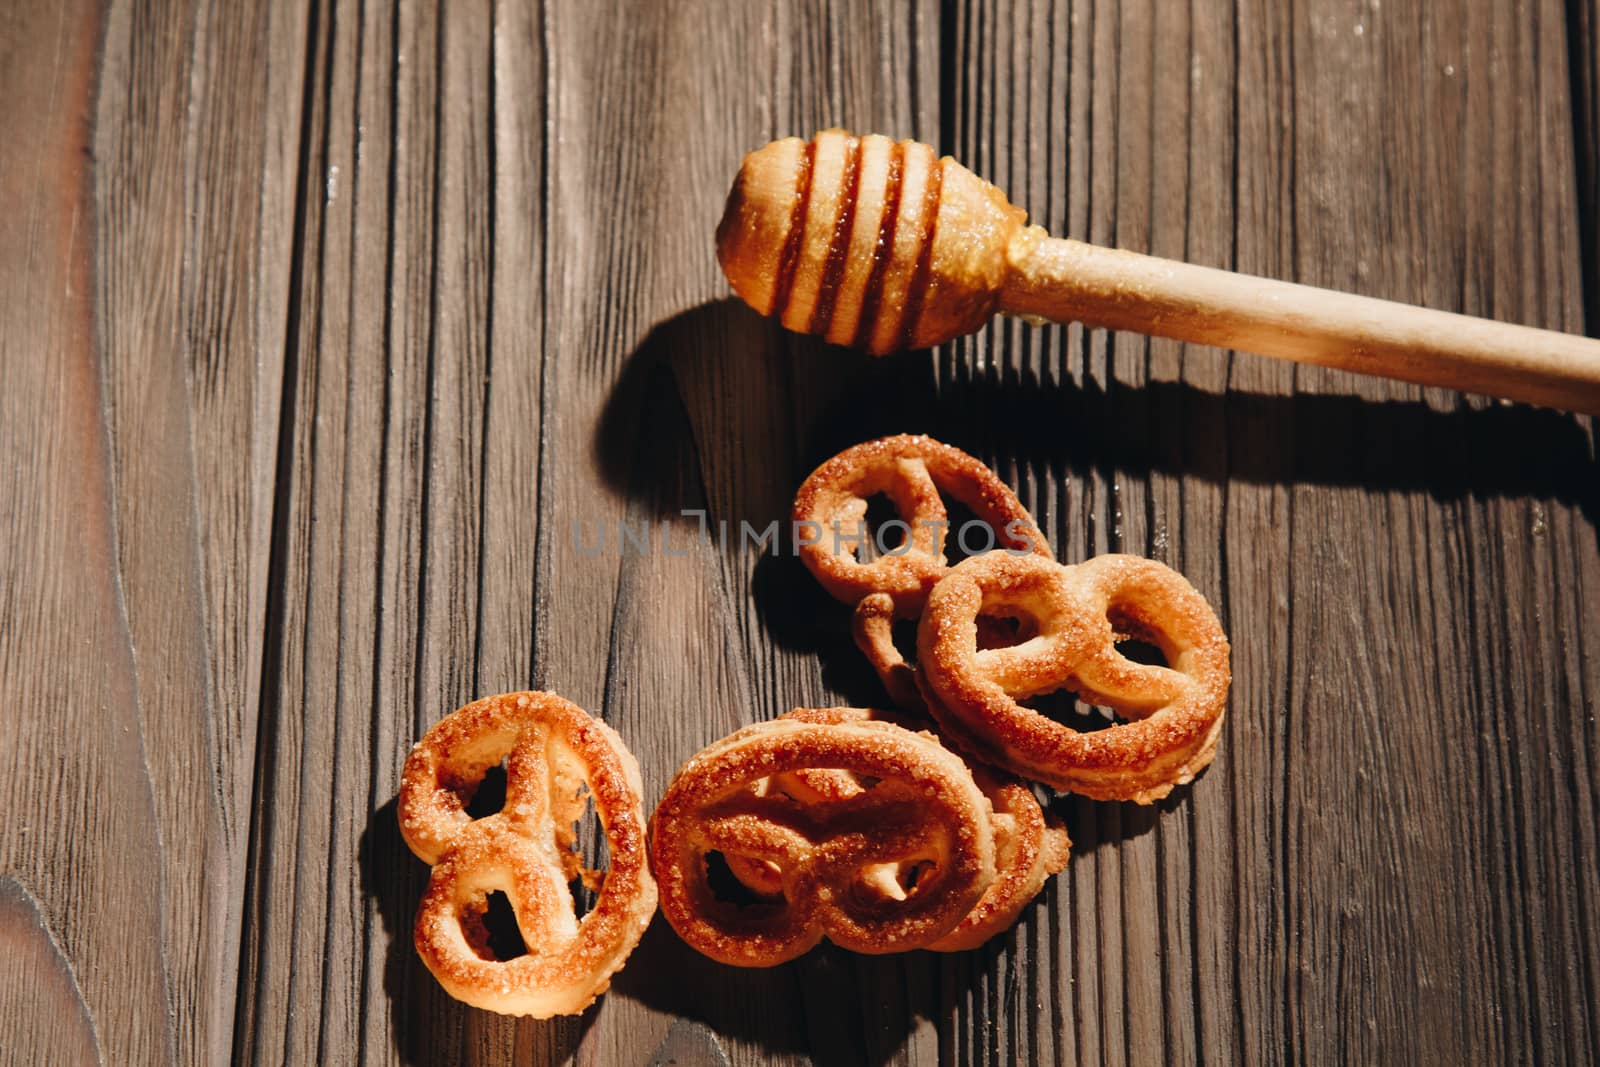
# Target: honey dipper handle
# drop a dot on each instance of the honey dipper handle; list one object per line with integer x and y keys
{"x": 1071, "y": 281}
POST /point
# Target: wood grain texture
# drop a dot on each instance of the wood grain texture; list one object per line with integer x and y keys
{"x": 191, "y": 196}
{"x": 130, "y": 570}
{"x": 333, "y": 333}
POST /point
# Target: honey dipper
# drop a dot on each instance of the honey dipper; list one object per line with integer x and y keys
{"x": 881, "y": 245}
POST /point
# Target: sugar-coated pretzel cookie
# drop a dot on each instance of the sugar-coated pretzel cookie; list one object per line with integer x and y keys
{"x": 827, "y": 856}
{"x": 831, "y": 507}
{"x": 1029, "y": 845}
{"x": 1077, "y": 615}
{"x": 556, "y": 757}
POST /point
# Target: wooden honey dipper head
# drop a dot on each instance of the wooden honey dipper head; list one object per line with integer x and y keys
{"x": 881, "y": 245}
{"x": 865, "y": 241}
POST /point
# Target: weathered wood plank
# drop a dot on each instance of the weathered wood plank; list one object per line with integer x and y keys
{"x": 415, "y": 174}
{"x": 192, "y": 194}
{"x": 168, "y": 385}
{"x": 1398, "y": 974}
{"x": 243, "y": 126}
{"x": 378, "y": 380}
{"x": 72, "y": 759}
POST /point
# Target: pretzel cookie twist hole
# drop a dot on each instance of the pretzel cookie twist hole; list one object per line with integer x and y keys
{"x": 887, "y": 837}
{"x": 1017, "y": 636}
{"x": 875, "y": 908}
{"x": 581, "y": 841}
{"x": 1068, "y": 708}
{"x": 895, "y": 883}
{"x": 502, "y": 938}
{"x": 1140, "y": 640}
{"x": 477, "y": 781}
{"x": 1142, "y": 655}
{"x": 1002, "y": 629}
{"x": 735, "y": 908}
{"x": 888, "y": 533}
{"x": 500, "y": 943}
{"x": 486, "y": 797}
{"x": 882, "y": 510}
{"x": 748, "y": 884}
{"x": 970, "y": 534}
{"x": 491, "y": 947}
{"x": 1139, "y": 684}
{"x": 485, "y": 901}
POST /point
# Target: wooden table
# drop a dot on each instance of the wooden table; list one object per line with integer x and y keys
{"x": 322, "y": 324}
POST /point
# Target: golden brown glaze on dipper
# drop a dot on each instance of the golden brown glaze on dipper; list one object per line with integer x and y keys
{"x": 556, "y": 756}
{"x": 1078, "y": 614}
{"x": 866, "y": 241}
{"x": 828, "y": 855}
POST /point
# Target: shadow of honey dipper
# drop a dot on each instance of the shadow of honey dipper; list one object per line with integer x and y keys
{"x": 882, "y": 246}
